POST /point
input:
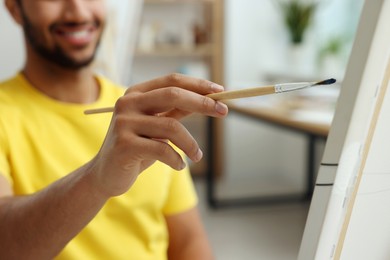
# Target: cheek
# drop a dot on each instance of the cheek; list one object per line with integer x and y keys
{"x": 42, "y": 13}
{"x": 39, "y": 18}
{"x": 100, "y": 14}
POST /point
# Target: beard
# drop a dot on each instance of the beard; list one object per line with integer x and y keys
{"x": 56, "y": 54}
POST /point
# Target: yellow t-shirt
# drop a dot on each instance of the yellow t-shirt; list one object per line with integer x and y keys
{"x": 42, "y": 140}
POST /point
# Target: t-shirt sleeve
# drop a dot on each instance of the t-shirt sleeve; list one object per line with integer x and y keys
{"x": 182, "y": 194}
{"x": 4, "y": 163}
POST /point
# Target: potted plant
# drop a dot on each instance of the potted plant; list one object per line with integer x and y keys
{"x": 297, "y": 16}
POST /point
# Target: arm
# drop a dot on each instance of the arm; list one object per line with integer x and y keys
{"x": 39, "y": 225}
{"x": 187, "y": 237}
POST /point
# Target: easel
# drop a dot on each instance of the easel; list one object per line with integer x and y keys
{"x": 338, "y": 223}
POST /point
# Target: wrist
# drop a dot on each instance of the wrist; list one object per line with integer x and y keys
{"x": 95, "y": 184}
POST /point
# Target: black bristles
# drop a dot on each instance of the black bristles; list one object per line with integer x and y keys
{"x": 326, "y": 82}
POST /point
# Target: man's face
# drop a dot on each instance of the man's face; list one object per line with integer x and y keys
{"x": 65, "y": 32}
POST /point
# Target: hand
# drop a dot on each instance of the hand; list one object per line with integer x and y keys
{"x": 144, "y": 121}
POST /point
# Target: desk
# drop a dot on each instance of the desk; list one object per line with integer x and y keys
{"x": 278, "y": 118}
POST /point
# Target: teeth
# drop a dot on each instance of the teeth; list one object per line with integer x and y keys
{"x": 79, "y": 34}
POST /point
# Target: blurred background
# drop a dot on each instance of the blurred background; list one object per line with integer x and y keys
{"x": 238, "y": 44}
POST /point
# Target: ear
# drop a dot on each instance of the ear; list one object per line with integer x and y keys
{"x": 15, "y": 11}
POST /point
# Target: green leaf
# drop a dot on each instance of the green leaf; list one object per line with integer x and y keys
{"x": 297, "y": 18}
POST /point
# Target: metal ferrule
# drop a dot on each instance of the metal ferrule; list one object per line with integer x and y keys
{"x": 286, "y": 87}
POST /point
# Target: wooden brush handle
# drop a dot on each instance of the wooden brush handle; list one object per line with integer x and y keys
{"x": 99, "y": 110}
{"x": 242, "y": 93}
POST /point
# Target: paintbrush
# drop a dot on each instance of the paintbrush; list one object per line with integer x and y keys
{"x": 244, "y": 93}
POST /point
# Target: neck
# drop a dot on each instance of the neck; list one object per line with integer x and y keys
{"x": 66, "y": 85}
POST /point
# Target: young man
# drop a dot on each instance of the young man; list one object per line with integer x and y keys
{"x": 108, "y": 186}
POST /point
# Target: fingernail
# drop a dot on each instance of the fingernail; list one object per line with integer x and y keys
{"x": 221, "y": 108}
{"x": 182, "y": 166}
{"x": 216, "y": 88}
{"x": 198, "y": 155}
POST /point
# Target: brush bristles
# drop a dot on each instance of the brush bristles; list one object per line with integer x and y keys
{"x": 326, "y": 82}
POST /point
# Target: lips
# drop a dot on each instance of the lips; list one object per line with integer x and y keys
{"x": 76, "y": 36}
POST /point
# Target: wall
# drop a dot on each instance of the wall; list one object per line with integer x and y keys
{"x": 257, "y": 43}
{"x": 257, "y": 48}
{"x": 11, "y": 45}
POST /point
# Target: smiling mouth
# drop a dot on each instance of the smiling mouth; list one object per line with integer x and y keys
{"x": 76, "y": 35}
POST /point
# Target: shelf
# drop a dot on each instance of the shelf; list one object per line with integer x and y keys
{"x": 178, "y": 1}
{"x": 204, "y": 50}
{"x": 184, "y": 36}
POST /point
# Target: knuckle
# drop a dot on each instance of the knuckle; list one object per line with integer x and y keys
{"x": 172, "y": 125}
{"x": 121, "y": 131}
{"x": 126, "y": 101}
{"x": 163, "y": 150}
{"x": 204, "y": 83}
{"x": 174, "y": 78}
{"x": 120, "y": 104}
{"x": 120, "y": 122}
{"x": 129, "y": 90}
{"x": 173, "y": 93}
{"x": 207, "y": 103}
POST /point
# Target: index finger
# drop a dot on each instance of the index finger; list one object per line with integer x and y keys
{"x": 200, "y": 86}
{"x": 174, "y": 98}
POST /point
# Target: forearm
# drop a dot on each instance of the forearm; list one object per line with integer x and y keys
{"x": 38, "y": 226}
{"x": 192, "y": 251}
{"x": 187, "y": 237}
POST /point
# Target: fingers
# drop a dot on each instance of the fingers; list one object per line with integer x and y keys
{"x": 166, "y": 128}
{"x": 161, "y": 151}
{"x": 163, "y": 100}
{"x": 174, "y": 95}
{"x": 144, "y": 119}
{"x": 175, "y": 113}
{"x": 200, "y": 86}
{"x": 146, "y": 116}
{"x": 139, "y": 150}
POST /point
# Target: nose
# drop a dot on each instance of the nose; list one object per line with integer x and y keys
{"x": 76, "y": 11}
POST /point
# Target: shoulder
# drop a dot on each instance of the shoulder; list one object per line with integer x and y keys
{"x": 10, "y": 84}
{"x": 109, "y": 85}
{"x": 9, "y": 89}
